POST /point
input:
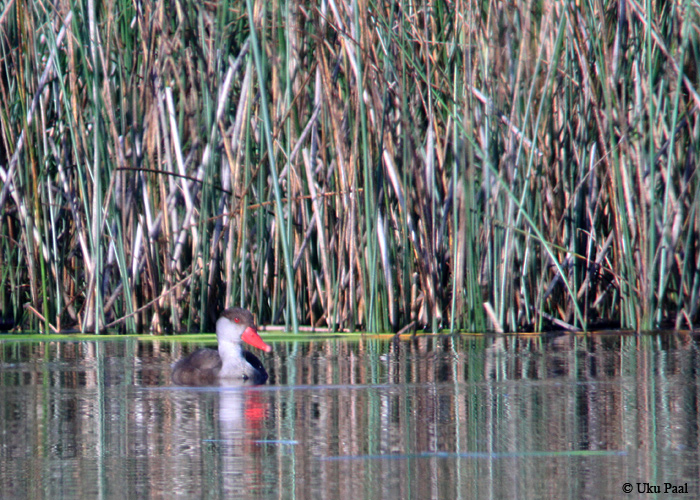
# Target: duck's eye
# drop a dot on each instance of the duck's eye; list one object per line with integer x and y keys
{"x": 236, "y": 320}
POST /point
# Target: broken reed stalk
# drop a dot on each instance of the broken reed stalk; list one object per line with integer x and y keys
{"x": 349, "y": 164}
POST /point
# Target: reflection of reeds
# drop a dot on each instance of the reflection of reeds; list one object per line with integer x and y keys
{"x": 471, "y": 166}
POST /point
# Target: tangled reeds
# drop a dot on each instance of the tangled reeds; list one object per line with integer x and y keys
{"x": 349, "y": 164}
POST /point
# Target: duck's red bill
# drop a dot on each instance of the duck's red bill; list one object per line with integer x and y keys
{"x": 251, "y": 337}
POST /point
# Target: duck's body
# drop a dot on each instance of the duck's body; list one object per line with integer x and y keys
{"x": 230, "y": 362}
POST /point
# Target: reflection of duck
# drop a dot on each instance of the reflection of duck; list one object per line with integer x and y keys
{"x": 230, "y": 362}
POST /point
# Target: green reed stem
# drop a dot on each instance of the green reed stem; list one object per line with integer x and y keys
{"x": 291, "y": 298}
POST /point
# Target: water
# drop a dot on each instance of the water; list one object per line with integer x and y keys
{"x": 434, "y": 417}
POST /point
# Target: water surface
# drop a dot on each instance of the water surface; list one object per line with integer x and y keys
{"x": 454, "y": 417}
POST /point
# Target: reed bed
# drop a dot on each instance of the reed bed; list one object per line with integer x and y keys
{"x": 349, "y": 164}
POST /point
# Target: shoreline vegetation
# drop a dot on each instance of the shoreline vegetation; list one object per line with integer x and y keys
{"x": 349, "y": 164}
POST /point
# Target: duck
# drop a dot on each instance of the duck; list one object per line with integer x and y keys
{"x": 230, "y": 362}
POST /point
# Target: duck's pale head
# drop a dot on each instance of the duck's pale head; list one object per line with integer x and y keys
{"x": 237, "y": 324}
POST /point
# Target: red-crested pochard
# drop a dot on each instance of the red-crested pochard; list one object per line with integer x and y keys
{"x": 230, "y": 362}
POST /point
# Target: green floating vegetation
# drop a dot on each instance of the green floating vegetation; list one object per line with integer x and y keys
{"x": 380, "y": 166}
